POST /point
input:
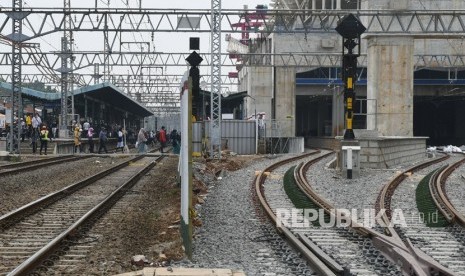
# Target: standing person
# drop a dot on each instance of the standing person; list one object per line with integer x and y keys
{"x": 23, "y": 130}
{"x": 162, "y": 138}
{"x": 44, "y": 138}
{"x": 120, "y": 143}
{"x": 85, "y": 129}
{"x": 77, "y": 139}
{"x": 54, "y": 129}
{"x": 29, "y": 125}
{"x": 102, "y": 140}
{"x": 175, "y": 141}
{"x": 36, "y": 122}
{"x": 90, "y": 136}
{"x": 141, "y": 139}
{"x": 34, "y": 138}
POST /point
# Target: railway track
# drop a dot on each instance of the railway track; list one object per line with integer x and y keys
{"x": 356, "y": 249}
{"x": 19, "y": 167}
{"x": 426, "y": 230}
{"x": 35, "y": 235}
{"x": 438, "y": 190}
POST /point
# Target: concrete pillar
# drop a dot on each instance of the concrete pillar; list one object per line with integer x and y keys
{"x": 285, "y": 100}
{"x": 390, "y": 84}
{"x": 259, "y": 86}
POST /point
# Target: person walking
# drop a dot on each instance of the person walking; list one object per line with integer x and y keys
{"x": 77, "y": 139}
{"x": 90, "y": 140}
{"x": 141, "y": 139}
{"x": 44, "y": 138}
{"x": 120, "y": 143}
{"x": 162, "y": 138}
{"x": 102, "y": 140}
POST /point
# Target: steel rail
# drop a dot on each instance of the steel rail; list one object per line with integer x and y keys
{"x": 12, "y": 217}
{"x": 304, "y": 186}
{"x": 399, "y": 252}
{"x": 35, "y": 260}
{"x": 415, "y": 259}
{"x": 435, "y": 192}
{"x": 320, "y": 267}
{"x": 453, "y": 215}
{"x": 384, "y": 197}
{"x": 21, "y": 167}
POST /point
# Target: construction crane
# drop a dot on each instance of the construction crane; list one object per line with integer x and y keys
{"x": 248, "y": 22}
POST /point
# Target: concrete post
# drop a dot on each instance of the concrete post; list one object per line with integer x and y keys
{"x": 285, "y": 106}
{"x": 259, "y": 87}
{"x": 390, "y": 83}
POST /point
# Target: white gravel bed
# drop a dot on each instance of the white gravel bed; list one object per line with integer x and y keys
{"x": 232, "y": 236}
{"x": 358, "y": 193}
{"x": 455, "y": 188}
{"x": 428, "y": 239}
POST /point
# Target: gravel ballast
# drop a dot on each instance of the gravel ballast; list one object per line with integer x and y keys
{"x": 232, "y": 235}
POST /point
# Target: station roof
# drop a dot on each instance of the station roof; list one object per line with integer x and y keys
{"x": 105, "y": 92}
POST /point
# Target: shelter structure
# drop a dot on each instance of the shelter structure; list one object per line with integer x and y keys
{"x": 101, "y": 104}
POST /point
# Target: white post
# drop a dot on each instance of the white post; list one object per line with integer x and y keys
{"x": 349, "y": 163}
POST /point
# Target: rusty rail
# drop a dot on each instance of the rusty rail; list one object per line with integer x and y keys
{"x": 440, "y": 196}
{"x": 409, "y": 258}
{"x": 320, "y": 267}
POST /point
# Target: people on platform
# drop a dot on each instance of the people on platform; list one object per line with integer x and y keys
{"x": 90, "y": 138}
{"x": 44, "y": 138}
{"x": 162, "y": 138}
{"x": 141, "y": 140}
{"x": 77, "y": 140}
{"x": 102, "y": 140}
{"x": 120, "y": 143}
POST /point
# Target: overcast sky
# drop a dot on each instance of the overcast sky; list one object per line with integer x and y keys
{"x": 163, "y": 42}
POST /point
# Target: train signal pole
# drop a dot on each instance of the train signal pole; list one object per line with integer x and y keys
{"x": 350, "y": 28}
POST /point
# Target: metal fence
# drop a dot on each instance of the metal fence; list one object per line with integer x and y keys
{"x": 236, "y": 135}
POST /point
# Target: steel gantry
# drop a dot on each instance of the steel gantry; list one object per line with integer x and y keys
{"x": 112, "y": 23}
{"x": 413, "y": 22}
{"x": 215, "y": 88}
{"x": 17, "y": 38}
{"x": 66, "y": 70}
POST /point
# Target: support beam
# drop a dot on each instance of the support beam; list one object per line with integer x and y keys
{"x": 285, "y": 102}
{"x": 390, "y": 75}
{"x": 215, "y": 98}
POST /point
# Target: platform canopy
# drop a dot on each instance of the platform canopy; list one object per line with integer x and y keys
{"x": 105, "y": 92}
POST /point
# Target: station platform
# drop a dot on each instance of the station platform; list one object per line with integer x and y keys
{"x": 165, "y": 271}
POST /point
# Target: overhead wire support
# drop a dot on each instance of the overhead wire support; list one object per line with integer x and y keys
{"x": 215, "y": 94}
{"x": 67, "y": 98}
{"x": 17, "y": 37}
